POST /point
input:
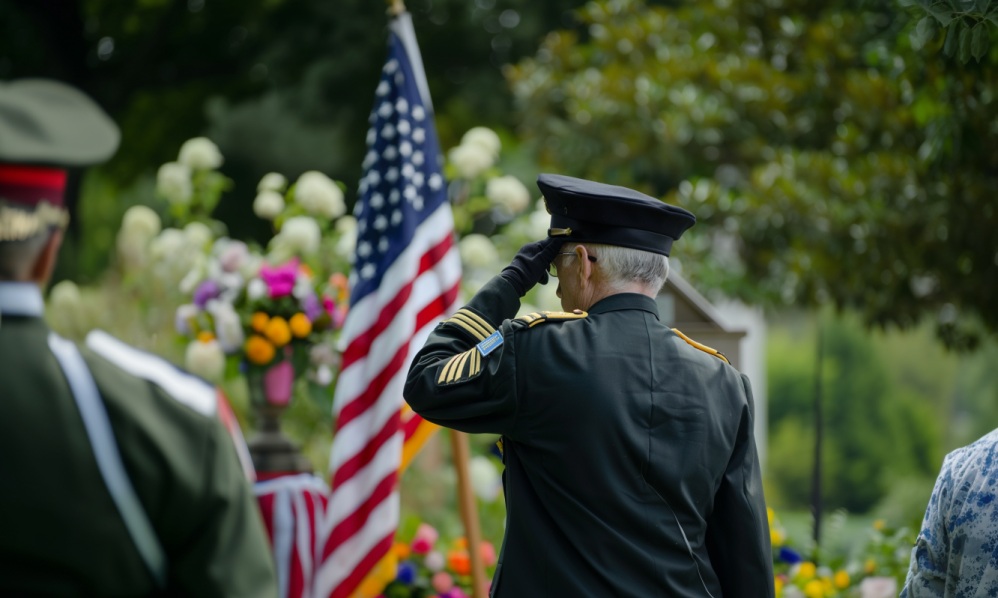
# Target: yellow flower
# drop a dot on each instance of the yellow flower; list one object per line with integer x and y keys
{"x": 806, "y": 570}
{"x": 841, "y": 579}
{"x": 778, "y": 582}
{"x": 259, "y": 321}
{"x": 814, "y": 589}
{"x": 259, "y": 350}
{"x": 879, "y": 525}
{"x": 869, "y": 566}
{"x": 278, "y": 331}
{"x": 770, "y": 515}
{"x": 205, "y": 337}
{"x": 301, "y": 326}
{"x": 776, "y": 537}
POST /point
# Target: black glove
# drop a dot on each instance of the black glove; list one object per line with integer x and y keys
{"x": 530, "y": 264}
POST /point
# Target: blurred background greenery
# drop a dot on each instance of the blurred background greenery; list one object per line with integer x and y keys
{"x": 839, "y": 156}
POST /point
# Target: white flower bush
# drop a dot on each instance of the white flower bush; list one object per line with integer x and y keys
{"x": 484, "y": 138}
{"x": 272, "y": 181}
{"x": 206, "y": 359}
{"x": 319, "y": 195}
{"x": 485, "y": 480}
{"x": 470, "y": 160}
{"x": 508, "y": 193}
{"x": 173, "y": 181}
{"x": 268, "y": 204}
{"x": 347, "y": 243}
{"x": 299, "y": 235}
{"x": 200, "y": 153}
{"x": 478, "y": 251}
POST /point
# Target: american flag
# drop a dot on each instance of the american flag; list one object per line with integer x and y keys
{"x": 405, "y": 278}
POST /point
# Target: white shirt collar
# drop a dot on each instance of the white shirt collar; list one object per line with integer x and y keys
{"x": 21, "y": 299}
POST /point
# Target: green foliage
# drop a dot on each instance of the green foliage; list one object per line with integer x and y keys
{"x": 872, "y": 433}
{"x": 826, "y": 160}
{"x": 966, "y": 26}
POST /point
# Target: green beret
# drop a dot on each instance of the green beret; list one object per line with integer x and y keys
{"x": 48, "y": 123}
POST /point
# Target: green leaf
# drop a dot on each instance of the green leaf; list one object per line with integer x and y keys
{"x": 964, "y": 50}
{"x": 942, "y": 14}
{"x": 923, "y": 32}
{"x": 979, "y": 41}
{"x": 982, "y": 5}
{"x": 907, "y": 3}
{"x": 952, "y": 38}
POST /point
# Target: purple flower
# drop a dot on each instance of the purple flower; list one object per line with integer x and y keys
{"x": 205, "y": 292}
{"x": 313, "y": 309}
{"x": 406, "y": 573}
{"x": 787, "y": 555}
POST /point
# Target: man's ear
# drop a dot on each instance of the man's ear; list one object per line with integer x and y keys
{"x": 585, "y": 266}
{"x": 44, "y": 264}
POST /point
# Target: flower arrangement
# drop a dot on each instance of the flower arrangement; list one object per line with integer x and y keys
{"x": 429, "y": 567}
{"x": 876, "y": 570}
{"x": 268, "y": 313}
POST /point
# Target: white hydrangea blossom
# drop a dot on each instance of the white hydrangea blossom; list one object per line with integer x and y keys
{"x": 509, "y": 193}
{"x": 300, "y": 235}
{"x": 272, "y": 181}
{"x": 173, "y": 181}
{"x": 347, "y": 242}
{"x": 484, "y": 138}
{"x": 485, "y": 480}
{"x": 198, "y": 235}
{"x": 205, "y": 359}
{"x": 228, "y": 328}
{"x": 256, "y": 289}
{"x": 470, "y": 160}
{"x": 168, "y": 244}
{"x": 319, "y": 195}
{"x": 65, "y": 308}
{"x": 538, "y": 223}
{"x": 200, "y": 153}
{"x": 477, "y": 251}
{"x": 141, "y": 221}
{"x": 268, "y": 204}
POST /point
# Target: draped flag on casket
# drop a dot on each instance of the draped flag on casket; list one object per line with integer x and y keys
{"x": 405, "y": 279}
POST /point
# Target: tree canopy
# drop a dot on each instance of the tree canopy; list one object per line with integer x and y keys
{"x": 827, "y": 160}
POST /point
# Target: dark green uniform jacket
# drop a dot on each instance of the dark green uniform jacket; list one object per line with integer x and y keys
{"x": 60, "y": 532}
{"x": 631, "y": 467}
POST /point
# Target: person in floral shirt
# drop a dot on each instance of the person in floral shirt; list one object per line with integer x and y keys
{"x": 956, "y": 553}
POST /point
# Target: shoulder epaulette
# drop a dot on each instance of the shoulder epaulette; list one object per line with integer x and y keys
{"x": 538, "y": 317}
{"x": 472, "y": 323}
{"x": 702, "y": 347}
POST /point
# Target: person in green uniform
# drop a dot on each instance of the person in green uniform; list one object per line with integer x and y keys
{"x": 115, "y": 477}
{"x": 631, "y": 468}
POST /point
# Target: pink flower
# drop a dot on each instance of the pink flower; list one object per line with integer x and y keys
{"x": 442, "y": 582}
{"x": 426, "y": 536}
{"x": 280, "y": 279}
{"x": 488, "y": 553}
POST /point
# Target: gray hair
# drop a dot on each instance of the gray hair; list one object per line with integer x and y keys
{"x": 622, "y": 265}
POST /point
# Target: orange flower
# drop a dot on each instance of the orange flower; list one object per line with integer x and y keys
{"x": 259, "y": 350}
{"x": 459, "y": 562}
{"x": 205, "y": 337}
{"x": 401, "y": 550}
{"x": 259, "y": 321}
{"x": 301, "y": 326}
{"x": 278, "y": 332}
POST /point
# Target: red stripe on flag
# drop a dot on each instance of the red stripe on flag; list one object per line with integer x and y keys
{"x": 348, "y": 585}
{"x": 350, "y": 467}
{"x": 377, "y": 385}
{"x": 360, "y": 346}
{"x": 353, "y": 522}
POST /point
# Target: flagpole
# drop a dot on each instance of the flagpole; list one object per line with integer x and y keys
{"x": 469, "y": 512}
